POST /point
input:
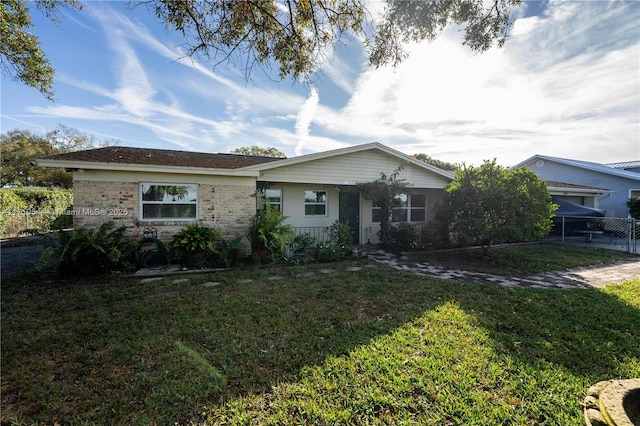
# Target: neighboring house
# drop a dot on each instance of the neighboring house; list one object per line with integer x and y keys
{"x": 601, "y": 186}
{"x": 169, "y": 189}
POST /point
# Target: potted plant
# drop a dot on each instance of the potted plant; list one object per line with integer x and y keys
{"x": 194, "y": 243}
{"x": 266, "y": 228}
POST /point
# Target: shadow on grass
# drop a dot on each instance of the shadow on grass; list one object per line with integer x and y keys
{"x": 162, "y": 351}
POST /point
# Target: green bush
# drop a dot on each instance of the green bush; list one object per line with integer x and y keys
{"x": 35, "y": 211}
{"x": 634, "y": 207}
{"x": 268, "y": 228}
{"x": 63, "y": 221}
{"x": 95, "y": 252}
{"x": 291, "y": 249}
{"x": 400, "y": 236}
{"x": 338, "y": 245}
{"x": 12, "y": 205}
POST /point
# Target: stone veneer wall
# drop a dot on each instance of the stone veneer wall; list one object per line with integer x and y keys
{"x": 229, "y": 207}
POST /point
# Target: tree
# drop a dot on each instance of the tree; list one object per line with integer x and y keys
{"x": 21, "y": 147}
{"x": 634, "y": 207}
{"x": 20, "y": 55}
{"x": 260, "y": 152}
{"x": 492, "y": 203}
{"x": 438, "y": 163}
{"x": 384, "y": 192}
{"x": 294, "y": 35}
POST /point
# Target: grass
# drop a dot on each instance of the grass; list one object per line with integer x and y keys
{"x": 373, "y": 346}
{"x": 520, "y": 260}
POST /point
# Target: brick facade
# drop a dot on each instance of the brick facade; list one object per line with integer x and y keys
{"x": 228, "y": 207}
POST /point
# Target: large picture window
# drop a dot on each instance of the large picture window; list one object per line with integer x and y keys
{"x": 315, "y": 203}
{"x": 407, "y": 208}
{"x": 163, "y": 201}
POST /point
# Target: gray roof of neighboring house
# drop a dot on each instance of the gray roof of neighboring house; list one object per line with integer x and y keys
{"x": 161, "y": 157}
{"x": 554, "y": 184}
{"x": 596, "y": 167}
{"x": 625, "y": 165}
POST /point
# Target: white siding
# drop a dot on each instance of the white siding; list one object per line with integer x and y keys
{"x": 293, "y": 204}
{"x": 349, "y": 169}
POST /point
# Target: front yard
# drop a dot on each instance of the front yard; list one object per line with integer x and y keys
{"x": 300, "y": 345}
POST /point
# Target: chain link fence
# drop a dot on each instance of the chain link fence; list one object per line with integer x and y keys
{"x": 607, "y": 232}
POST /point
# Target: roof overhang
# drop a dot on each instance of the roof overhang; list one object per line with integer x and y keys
{"x": 149, "y": 168}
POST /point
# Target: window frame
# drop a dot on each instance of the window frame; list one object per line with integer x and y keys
{"x": 409, "y": 208}
{"x": 325, "y": 203}
{"x": 265, "y": 199}
{"x": 143, "y": 203}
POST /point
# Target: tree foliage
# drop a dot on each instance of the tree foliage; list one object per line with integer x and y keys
{"x": 260, "y": 152}
{"x": 634, "y": 207}
{"x": 293, "y": 35}
{"x": 434, "y": 162}
{"x": 403, "y": 22}
{"x": 492, "y": 203}
{"x": 21, "y": 147}
{"x": 21, "y": 57}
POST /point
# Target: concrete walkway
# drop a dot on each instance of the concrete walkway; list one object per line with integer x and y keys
{"x": 593, "y": 276}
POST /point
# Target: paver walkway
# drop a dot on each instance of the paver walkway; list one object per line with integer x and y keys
{"x": 592, "y": 276}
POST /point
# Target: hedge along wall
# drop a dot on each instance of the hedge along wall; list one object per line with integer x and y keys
{"x": 24, "y": 209}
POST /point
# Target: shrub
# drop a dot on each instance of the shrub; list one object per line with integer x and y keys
{"x": 226, "y": 252}
{"x": 292, "y": 250}
{"x": 400, "y": 236}
{"x": 12, "y": 206}
{"x": 634, "y": 207}
{"x": 94, "y": 252}
{"x": 338, "y": 245}
{"x": 63, "y": 220}
{"x": 36, "y": 209}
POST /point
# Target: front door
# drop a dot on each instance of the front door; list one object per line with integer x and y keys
{"x": 350, "y": 212}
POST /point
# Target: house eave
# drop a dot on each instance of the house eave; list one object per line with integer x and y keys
{"x": 150, "y": 168}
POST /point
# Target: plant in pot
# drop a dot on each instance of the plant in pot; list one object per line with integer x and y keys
{"x": 194, "y": 244}
{"x": 266, "y": 228}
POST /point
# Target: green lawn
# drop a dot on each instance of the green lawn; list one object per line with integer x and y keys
{"x": 520, "y": 259}
{"x": 374, "y": 346}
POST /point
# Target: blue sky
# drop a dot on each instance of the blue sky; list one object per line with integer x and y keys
{"x": 566, "y": 84}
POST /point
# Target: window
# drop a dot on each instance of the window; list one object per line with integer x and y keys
{"x": 273, "y": 198}
{"x": 315, "y": 203}
{"x": 407, "y": 208}
{"x": 162, "y": 201}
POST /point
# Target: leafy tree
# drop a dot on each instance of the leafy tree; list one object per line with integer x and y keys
{"x": 21, "y": 147}
{"x": 261, "y": 152}
{"x": 384, "y": 192}
{"x": 634, "y": 207}
{"x": 492, "y": 203}
{"x": 434, "y": 162}
{"x": 20, "y": 55}
{"x": 293, "y": 35}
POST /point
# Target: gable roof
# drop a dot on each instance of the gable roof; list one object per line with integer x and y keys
{"x": 119, "y": 158}
{"x": 128, "y": 158}
{"x": 595, "y": 167}
{"x": 351, "y": 150}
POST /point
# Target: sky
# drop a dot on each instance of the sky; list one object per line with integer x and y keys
{"x": 565, "y": 84}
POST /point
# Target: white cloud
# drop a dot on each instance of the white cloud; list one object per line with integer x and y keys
{"x": 570, "y": 90}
